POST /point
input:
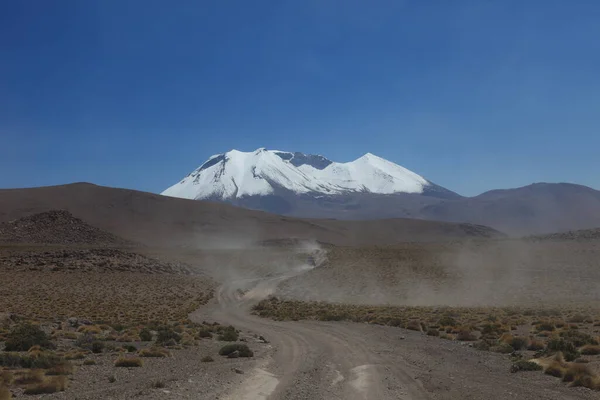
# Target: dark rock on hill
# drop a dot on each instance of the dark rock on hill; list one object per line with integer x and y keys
{"x": 56, "y": 227}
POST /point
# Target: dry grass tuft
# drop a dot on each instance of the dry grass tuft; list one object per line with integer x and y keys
{"x": 64, "y": 368}
{"x": 47, "y": 386}
{"x": 128, "y": 362}
{"x": 154, "y": 352}
{"x": 30, "y": 377}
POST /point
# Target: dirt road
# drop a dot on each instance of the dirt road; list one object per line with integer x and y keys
{"x": 334, "y": 360}
{"x": 310, "y": 361}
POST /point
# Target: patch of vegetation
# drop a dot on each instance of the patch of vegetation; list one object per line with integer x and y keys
{"x": 590, "y": 350}
{"x": 523, "y": 365}
{"x": 229, "y": 334}
{"x": 242, "y": 349}
{"x": 43, "y": 360}
{"x": 154, "y": 352}
{"x": 207, "y": 359}
{"x": 145, "y": 335}
{"x": 25, "y": 336}
{"x": 128, "y": 362}
{"x": 48, "y": 386}
{"x": 167, "y": 334}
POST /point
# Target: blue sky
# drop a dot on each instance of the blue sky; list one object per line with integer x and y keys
{"x": 474, "y": 95}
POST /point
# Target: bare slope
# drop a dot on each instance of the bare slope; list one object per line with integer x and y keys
{"x": 160, "y": 220}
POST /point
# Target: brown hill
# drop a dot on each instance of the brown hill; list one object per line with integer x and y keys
{"x": 56, "y": 227}
{"x": 165, "y": 221}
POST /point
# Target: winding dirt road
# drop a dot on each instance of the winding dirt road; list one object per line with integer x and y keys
{"x": 310, "y": 360}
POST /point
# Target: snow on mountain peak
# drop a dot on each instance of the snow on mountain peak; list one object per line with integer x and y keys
{"x": 236, "y": 174}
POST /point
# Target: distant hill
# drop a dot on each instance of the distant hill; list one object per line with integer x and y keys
{"x": 165, "y": 221}
{"x": 56, "y": 227}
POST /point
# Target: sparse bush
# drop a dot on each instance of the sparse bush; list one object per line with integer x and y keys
{"x": 502, "y": 348}
{"x": 30, "y": 377}
{"x": 153, "y": 352}
{"x": 158, "y": 384}
{"x": 25, "y": 336}
{"x": 566, "y": 347}
{"x": 433, "y": 332}
{"x": 89, "y": 362}
{"x": 577, "y": 338}
{"x": 145, "y": 335}
{"x": 207, "y": 359}
{"x": 465, "y": 335}
{"x": 523, "y": 365}
{"x": 482, "y": 345}
{"x": 130, "y": 348}
{"x": 535, "y": 345}
{"x": 244, "y": 350}
{"x": 97, "y": 346}
{"x": 41, "y": 360}
{"x": 229, "y": 334}
{"x": 414, "y": 326}
{"x": 518, "y": 343}
{"x": 447, "y": 321}
{"x": 544, "y": 326}
{"x": 166, "y": 334}
{"x": 128, "y": 362}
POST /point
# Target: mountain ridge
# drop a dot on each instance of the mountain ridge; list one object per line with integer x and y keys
{"x": 370, "y": 187}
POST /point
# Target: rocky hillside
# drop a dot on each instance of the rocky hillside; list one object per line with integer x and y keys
{"x": 56, "y": 227}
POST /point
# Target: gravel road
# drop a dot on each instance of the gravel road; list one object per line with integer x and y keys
{"x": 333, "y": 360}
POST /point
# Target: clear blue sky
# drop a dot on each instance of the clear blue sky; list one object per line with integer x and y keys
{"x": 473, "y": 95}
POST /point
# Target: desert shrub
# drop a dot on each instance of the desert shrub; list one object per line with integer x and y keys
{"x": 413, "y": 326}
{"x": 128, "y": 362}
{"x": 130, "y": 348}
{"x": 243, "y": 350}
{"x": 502, "y": 348}
{"x": 30, "y": 377}
{"x": 41, "y": 360}
{"x": 145, "y": 335}
{"x": 465, "y": 335}
{"x": 482, "y": 345}
{"x": 566, "y": 347}
{"x": 75, "y": 355}
{"x": 535, "y": 345}
{"x": 153, "y": 352}
{"x": 447, "y": 321}
{"x": 544, "y": 326}
{"x": 577, "y": 338}
{"x": 158, "y": 384}
{"x": 207, "y": 359}
{"x": 166, "y": 334}
{"x": 518, "y": 343}
{"x": 47, "y": 386}
{"x": 590, "y": 350}
{"x": 85, "y": 341}
{"x": 25, "y": 336}
{"x": 97, "y": 346}
{"x": 523, "y": 365}
{"x": 433, "y": 332}
{"x": 89, "y": 362}
{"x": 229, "y": 334}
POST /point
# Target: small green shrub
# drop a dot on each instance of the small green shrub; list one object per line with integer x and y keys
{"x": 207, "y": 359}
{"x": 25, "y": 336}
{"x": 243, "y": 350}
{"x": 523, "y": 365}
{"x": 229, "y": 334}
{"x": 166, "y": 334}
{"x": 145, "y": 335}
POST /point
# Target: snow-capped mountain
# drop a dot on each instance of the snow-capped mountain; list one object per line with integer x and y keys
{"x": 236, "y": 174}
